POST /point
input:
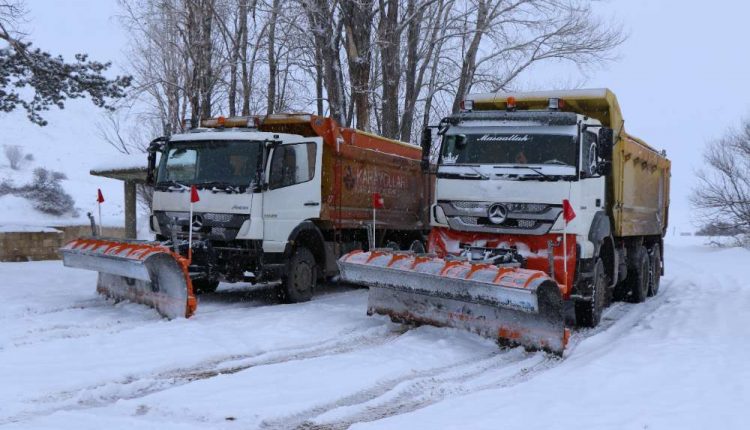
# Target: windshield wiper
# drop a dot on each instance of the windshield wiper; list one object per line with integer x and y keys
{"x": 172, "y": 186}
{"x": 461, "y": 175}
{"x": 216, "y": 186}
{"x": 533, "y": 169}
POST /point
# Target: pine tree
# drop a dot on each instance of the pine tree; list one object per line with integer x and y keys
{"x": 52, "y": 80}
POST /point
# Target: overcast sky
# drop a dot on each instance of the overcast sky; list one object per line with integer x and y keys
{"x": 681, "y": 77}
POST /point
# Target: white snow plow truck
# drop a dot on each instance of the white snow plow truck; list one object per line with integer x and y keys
{"x": 545, "y": 210}
{"x": 279, "y": 198}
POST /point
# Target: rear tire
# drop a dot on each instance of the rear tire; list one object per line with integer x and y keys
{"x": 202, "y": 286}
{"x": 299, "y": 282}
{"x": 589, "y": 313}
{"x": 638, "y": 276}
{"x": 654, "y": 277}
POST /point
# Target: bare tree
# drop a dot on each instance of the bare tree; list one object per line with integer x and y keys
{"x": 723, "y": 191}
{"x": 390, "y": 53}
{"x": 325, "y": 27}
{"x": 377, "y": 65}
{"x": 520, "y": 33}
{"x": 357, "y": 17}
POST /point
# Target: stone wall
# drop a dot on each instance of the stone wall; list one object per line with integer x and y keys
{"x": 32, "y": 246}
{"x": 29, "y": 246}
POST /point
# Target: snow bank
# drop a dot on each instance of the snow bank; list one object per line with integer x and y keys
{"x": 69, "y": 144}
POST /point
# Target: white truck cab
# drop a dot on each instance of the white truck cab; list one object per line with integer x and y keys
{"x": 525, "y": 164}
{"x": 280, "y": 197}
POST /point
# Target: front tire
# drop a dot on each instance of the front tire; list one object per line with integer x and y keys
{"x": 589, "y": 313}
{"x": 299, "y": 282}
{"x": 202, "y": 286}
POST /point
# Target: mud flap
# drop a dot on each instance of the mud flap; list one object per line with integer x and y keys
{"x": 141, "y": 272}
{"x": 512, "y": 305}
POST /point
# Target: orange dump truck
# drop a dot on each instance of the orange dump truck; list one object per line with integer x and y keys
{"x": 279, "y": 198}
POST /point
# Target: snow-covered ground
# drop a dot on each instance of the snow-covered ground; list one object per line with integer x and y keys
{"x": 69, "y": 359}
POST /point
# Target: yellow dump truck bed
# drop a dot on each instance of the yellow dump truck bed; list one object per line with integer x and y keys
{"x": 638, "y": 185}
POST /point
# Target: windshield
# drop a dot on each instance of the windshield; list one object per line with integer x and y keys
{"x": 210, "y": 162}
{"x": 505, "y": 147}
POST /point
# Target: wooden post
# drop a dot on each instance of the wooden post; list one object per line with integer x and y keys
{"x": 130, "y": 212}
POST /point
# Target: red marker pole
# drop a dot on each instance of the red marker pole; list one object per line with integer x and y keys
{"x": 193, "y": 198}
{"x": 377, "y": 203}
{"x": 99, "y": 201}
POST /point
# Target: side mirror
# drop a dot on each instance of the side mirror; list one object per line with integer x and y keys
{"x": 156, "y": 145}
{"x": 605, "y": 143}
{"x": 426, "y": 143}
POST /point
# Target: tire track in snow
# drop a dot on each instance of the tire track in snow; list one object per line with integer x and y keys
{"x": 620, "y": 318}
{"x": 302, "y": 419}
{"x": 507, "y": 368}
{"x": 134, "y": 387}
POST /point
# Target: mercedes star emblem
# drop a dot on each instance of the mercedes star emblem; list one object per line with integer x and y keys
{"x": 197, "y": 223}
{"x": 497, "y": 213}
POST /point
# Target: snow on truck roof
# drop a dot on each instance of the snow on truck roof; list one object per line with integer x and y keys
{"x": 229, "y": 134}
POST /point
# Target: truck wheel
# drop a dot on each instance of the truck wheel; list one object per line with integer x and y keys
{"x": 638, "y": 276}
{"x": 417, "y": 247}
{"x": 299, "y": 281}
{"x": 655, "y": 271}
{"x": 202, "y": 286}
{"x": 589, "y": 313}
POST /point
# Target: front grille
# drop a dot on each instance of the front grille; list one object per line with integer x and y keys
{"x": 528, "y": 208}
{"x": 509, "y": 223}
{"x": 219, "y": 231}
{"x": 526, "y": 223}
{"x": 178, "y": 215}
{"x": 215, "y": 226}
{"x": 468, "y": 205}
{"x": 217, "y": 217}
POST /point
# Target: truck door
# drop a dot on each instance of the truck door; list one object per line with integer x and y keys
{"x": 293, "y": 195}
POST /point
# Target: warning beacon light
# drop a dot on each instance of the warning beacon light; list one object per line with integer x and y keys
{"x": 510, "y": 104}
{"x": 555, "y": 104}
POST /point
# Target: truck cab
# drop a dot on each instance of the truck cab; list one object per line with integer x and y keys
{"x": 520, "y": 167}
{"x": 255, "y": 189}
{"x": 280, "y": 197}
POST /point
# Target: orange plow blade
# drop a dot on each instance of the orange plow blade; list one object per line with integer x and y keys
{"x": 512, "y": 305}
{"x": 141, "y": 272}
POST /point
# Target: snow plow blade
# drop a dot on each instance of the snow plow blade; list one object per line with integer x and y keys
{"x": 517, "y": 307}
{"x": 141, "y": 272}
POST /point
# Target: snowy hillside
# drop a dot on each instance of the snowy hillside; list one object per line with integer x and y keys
{"x": 70, "y": 145}
{"x": 71, "y": 360}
